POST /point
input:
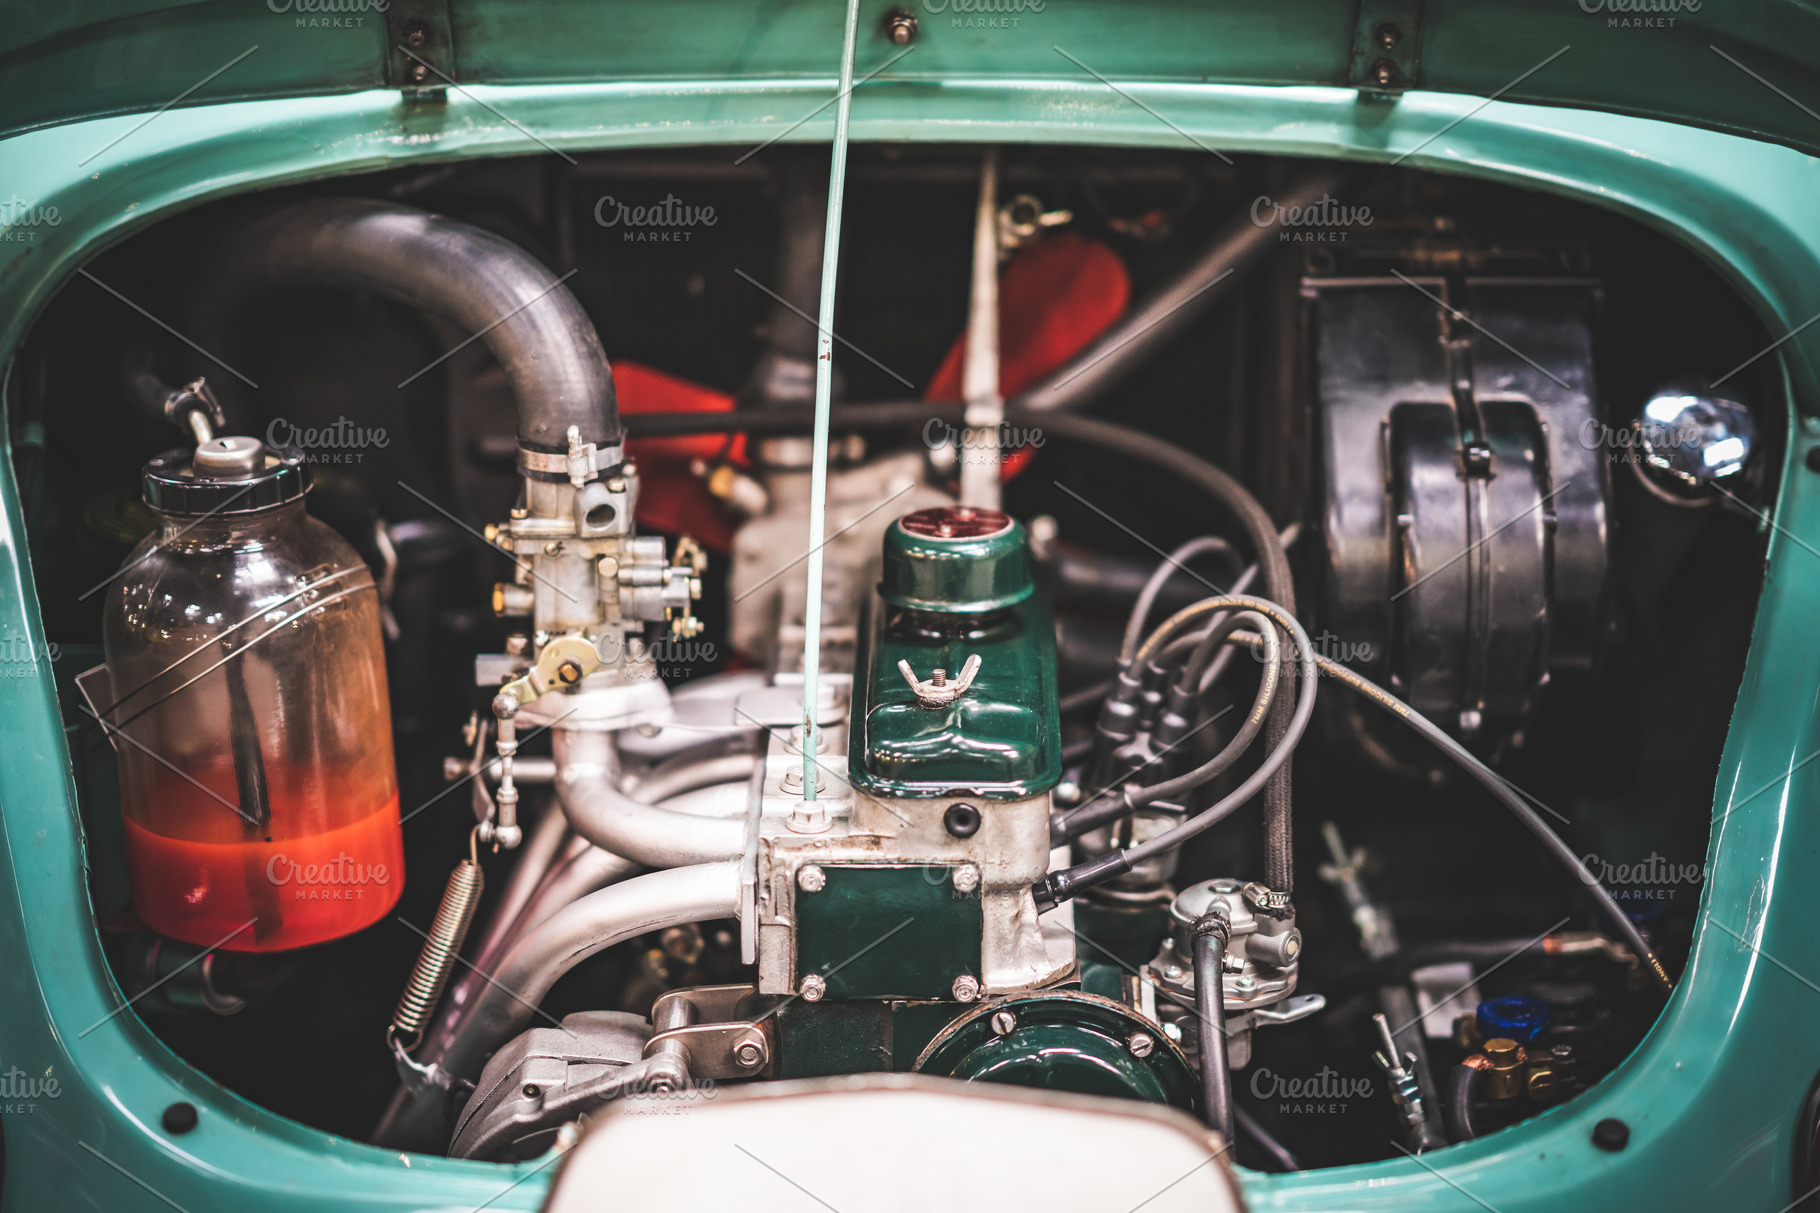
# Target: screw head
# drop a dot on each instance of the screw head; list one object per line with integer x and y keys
{"x": 1384, "y": 72}
{"x": 532, "y": 1090}
{"x": 416, "y": 34}
{"x": 811, "y": 879}
{"x": 1004, "y": 1023}
{"x": 966, "y": 988}
{"x": 812, "y": 988}
{"x": 419, "y": 73}
{"x": 966, "y": 878}
{"x": 1141, "y": 1044}
{"x": 1388, "y": 36}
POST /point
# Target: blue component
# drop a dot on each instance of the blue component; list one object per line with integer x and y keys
{"x": 1515, "y": 1018}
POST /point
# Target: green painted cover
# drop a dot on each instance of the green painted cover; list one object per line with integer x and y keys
{"x": 999, "y": 741}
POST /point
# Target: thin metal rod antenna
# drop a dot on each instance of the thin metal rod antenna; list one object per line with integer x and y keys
{"x": 824, "y": 390}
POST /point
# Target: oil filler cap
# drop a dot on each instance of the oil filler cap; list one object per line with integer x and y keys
{"x": 1515, "y": 1018}
{"x": 223, "y": 476}
{"x": 956, "y": 560}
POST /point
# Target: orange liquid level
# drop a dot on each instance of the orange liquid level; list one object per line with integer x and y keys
{"x": 302, "y": 890}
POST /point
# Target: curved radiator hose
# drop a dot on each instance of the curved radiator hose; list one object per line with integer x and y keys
{"x": 533, "y": 324}
{"x": 587, "y": 776}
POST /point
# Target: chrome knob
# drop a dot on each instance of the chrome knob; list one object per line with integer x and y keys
{"x": 1691, "y": 434}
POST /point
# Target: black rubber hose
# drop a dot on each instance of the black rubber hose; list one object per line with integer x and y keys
{"x": 1462, "y": 1089}
{"x": 1211, "y": 933}
{"x": 483, "y": 284}
{"x": 1114, "y": 803}
{"x": 1068, "y": 883}
{"x": 1273, "y": 568}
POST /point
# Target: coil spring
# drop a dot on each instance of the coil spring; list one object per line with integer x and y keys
{"x": 440, "y": 949}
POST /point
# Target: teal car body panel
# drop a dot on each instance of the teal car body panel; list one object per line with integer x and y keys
{"x": 1713, "y": 1092}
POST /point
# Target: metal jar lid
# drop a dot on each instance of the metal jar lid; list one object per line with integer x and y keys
{"x": 233, "y": 475}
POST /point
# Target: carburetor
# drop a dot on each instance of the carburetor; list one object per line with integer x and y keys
{"x": 590, "y": 587}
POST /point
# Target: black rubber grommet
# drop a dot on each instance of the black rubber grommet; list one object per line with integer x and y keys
{"x": 180, "y": 1118}
{"x": 1610, "y": 1134}
{"x": 961, "y": 820}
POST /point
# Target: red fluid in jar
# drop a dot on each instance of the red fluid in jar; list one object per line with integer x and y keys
{"x": 303, "y": 890}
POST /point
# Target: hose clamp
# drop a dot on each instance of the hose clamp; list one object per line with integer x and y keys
{"x": 581, "y": 463}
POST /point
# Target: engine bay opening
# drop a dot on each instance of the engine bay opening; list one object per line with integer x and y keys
{"x": 1279, "y": 623}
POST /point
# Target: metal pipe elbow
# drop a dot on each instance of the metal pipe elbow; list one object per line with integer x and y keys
{"x": 592, "y": 924}
{"x": 587, "y": 777}
{"x": 533, "y": 324}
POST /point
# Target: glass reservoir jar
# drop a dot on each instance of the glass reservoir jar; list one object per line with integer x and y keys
{"x": 251, "y": 715}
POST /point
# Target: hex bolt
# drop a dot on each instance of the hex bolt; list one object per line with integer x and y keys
{"x": 966, "y": 878}
{"x": 813, "y": 988}
{"x": 811, "y": 879}
{"x": 749, "y": 1051}
{"x": 1004, "y": 1023}
{"x": 1141, "y": 1044}
{"x": 900, "y": 27}
{"x": 966, "y": 988}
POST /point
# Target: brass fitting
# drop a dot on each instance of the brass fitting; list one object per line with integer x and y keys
{"x": 1504, "y": 1080}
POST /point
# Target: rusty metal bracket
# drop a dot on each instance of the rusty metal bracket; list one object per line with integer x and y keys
{"x": 1386, "y": 46}
{"x": 419, "y": 46}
